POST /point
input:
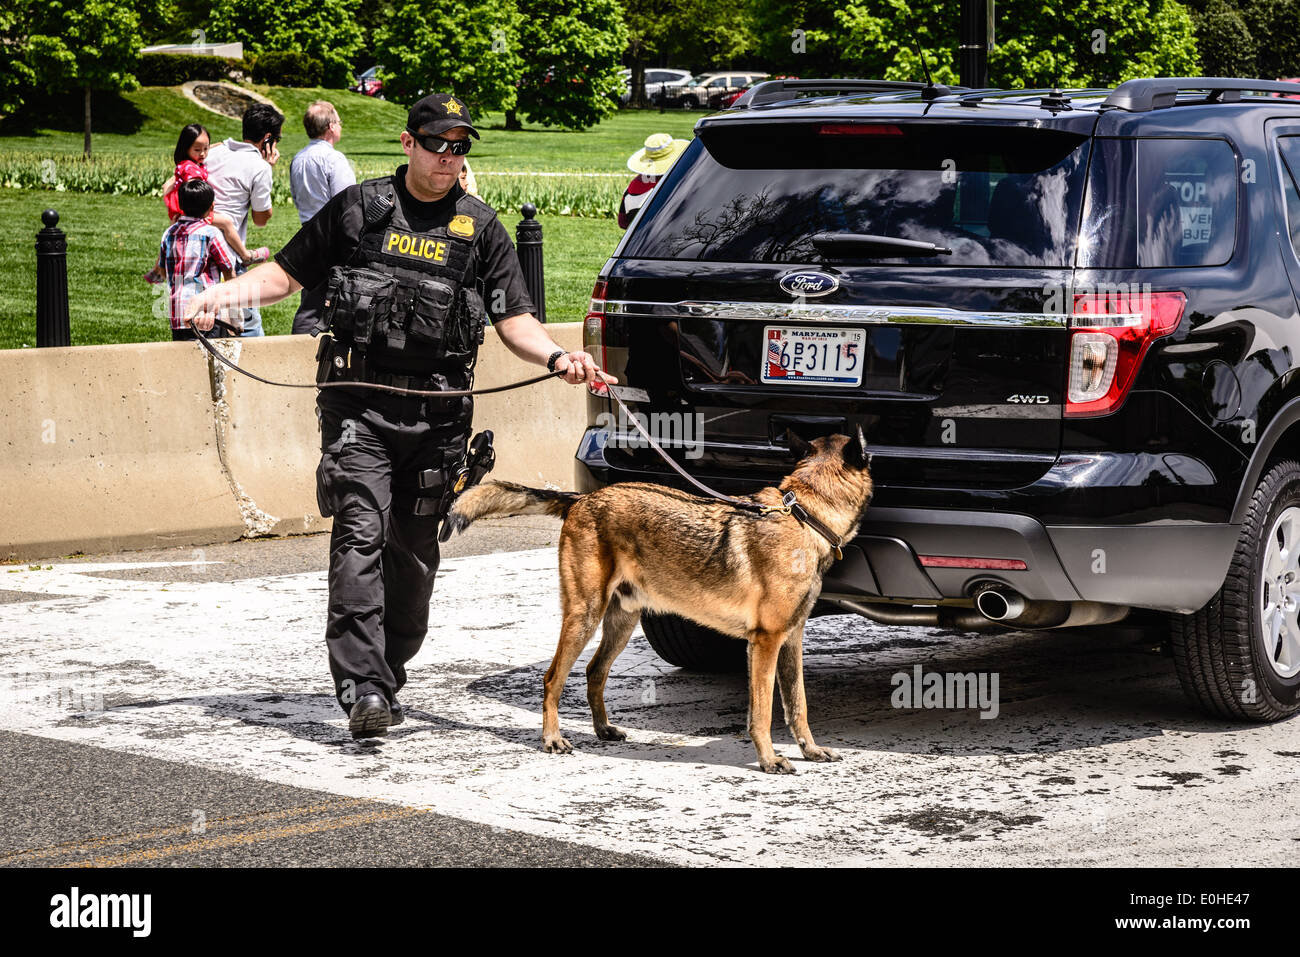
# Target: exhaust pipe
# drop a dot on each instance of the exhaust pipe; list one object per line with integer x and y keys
{"x": 997, "y": 604}
{"x": 994, "y": 605}
{"x": 1008, "y": 607}
{"x": 936, "y": 617}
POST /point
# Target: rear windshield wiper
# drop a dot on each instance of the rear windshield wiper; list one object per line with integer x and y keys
{"x": 840, "y": 245}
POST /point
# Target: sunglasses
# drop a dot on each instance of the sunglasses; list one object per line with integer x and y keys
{"x": 436, "y": 144}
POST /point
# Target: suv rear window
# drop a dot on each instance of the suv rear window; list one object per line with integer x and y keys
{"x": 1160, "y": 202}
{"x": 996, "y": 196}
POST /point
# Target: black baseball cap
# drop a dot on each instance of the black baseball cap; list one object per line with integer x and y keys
{"x": 437, "y": 113}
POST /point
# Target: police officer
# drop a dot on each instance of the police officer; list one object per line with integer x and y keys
{"x": 413, "y": 264}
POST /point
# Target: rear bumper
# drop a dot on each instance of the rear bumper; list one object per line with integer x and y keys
{"x": 1164, "y": 565}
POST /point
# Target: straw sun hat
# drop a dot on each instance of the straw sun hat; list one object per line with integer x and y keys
{"x": 658, "y": 155}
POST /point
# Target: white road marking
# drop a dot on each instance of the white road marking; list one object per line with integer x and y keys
{"x": 1094, "y": 757}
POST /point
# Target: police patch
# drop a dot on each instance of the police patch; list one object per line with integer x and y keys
{"x": 461, "y": 226}
{"x": 417, "y": 247}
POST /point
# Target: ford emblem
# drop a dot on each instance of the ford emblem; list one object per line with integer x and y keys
{"x": 809, "y": 283}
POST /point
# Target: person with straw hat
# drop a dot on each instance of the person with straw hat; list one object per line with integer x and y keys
{"x": 649, "y": 163}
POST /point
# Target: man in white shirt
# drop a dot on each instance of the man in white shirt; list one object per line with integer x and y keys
{"x": 240, "y": 175}
{"x": 317, "y": 172}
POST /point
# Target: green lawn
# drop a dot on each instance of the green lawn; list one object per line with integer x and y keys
{"x": 112, "y": 240}
{"x": 147, "y": 122}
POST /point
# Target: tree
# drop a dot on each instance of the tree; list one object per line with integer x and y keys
{"x": 15, "y": 75}
{"x": 1083, "y": 43}
{"x": 708, "y": 34}
{"x": 1275, "y": 27}
{"x": 325, "y": 29}
{"x": 647, "y": 29}
{"x": 1226, "y": 45}
{"x": 806, "y": 38}
{"x": 466, "y": 47}
{"x": 84, "y": 44}
{"x": 570, "y": 75}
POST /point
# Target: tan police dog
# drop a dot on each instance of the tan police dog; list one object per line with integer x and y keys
{"x": 633, "y": 546}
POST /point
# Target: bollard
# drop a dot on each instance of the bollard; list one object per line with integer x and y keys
{"x": 52, "y": 325}
{"x": 528, "y": 240}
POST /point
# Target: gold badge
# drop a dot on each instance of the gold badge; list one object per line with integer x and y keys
{"x": 453, "y": 107}
{"x": 461, "y": 226}
{"x": 460, "y": 483}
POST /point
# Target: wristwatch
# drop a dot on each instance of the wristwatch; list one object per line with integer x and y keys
{"x": 550, "y": 363}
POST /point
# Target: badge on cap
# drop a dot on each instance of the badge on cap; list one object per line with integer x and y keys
{"x": 453, "y": 107}
{"x": 461, "y": 226}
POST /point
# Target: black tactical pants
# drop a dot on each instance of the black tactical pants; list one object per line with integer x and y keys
{"x": 383, "y": 557}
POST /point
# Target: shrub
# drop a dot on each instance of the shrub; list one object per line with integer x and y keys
{"x": 287, "y": 68}
{"x": 173, "y": 69}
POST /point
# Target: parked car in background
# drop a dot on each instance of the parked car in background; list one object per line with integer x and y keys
{"x": 657, "y": 80}
{"x": 731, "y": 98}
{"x": 369, "y": 83}
{"x": 1288, "y": 79}
{"x": 710, "y": 89}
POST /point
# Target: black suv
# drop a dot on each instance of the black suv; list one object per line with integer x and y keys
{"x": 1066, "y": 320}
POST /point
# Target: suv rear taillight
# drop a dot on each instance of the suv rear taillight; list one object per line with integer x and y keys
{"x": 593, "y": 333}
{"x": 1109, "y": 335}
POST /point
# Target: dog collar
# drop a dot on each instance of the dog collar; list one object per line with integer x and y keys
{"x": 790, "y": 506}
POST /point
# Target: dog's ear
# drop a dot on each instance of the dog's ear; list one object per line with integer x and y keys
{"x": 800, "y": 446}
{"x": 856, "y": 451}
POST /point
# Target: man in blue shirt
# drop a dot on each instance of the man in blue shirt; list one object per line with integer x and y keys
{"x": 318, "y": 172}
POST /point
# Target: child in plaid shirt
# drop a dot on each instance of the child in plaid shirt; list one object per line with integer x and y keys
{"x": 192, "y": 256}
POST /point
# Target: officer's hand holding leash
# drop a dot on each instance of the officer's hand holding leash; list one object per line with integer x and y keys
{"x": 579, "y": 368}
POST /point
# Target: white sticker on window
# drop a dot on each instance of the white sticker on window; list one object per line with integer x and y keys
{"x": 1196, "y": 221}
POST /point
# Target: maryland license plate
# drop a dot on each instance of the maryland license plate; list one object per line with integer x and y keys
{"x": 822, "y": 356}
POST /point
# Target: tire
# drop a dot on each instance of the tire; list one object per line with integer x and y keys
{"x": 1239, "y": 656}
{"x": 690, "y": 103}
{"x": 687, "y": 645}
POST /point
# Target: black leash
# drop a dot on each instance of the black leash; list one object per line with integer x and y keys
{"x": 440, "y": 393}
{"x": 788, "y": 506}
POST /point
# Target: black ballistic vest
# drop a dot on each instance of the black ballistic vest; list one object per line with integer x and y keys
{"x": 409, "y": 299}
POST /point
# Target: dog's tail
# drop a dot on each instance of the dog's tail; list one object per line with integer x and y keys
{"x": 497, "y": 499}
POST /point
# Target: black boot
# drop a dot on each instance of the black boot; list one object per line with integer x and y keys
{"x": 370, "y": 717}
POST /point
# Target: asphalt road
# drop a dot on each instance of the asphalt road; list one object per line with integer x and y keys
{"x": 174, "y": 708}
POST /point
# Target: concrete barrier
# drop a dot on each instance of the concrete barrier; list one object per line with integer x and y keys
{"x": 141, "y": 446}
{"x": 109, "y": 447}
{"x": 535, "y": 430}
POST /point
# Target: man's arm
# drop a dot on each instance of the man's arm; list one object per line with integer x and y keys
{"x": 528, "y": 339}
{"x": 262, "y": 286}
{"x": 260, "y": 200}
{"x": 341, "y": 176}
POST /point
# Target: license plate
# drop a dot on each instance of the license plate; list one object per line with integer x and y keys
{"x": 822, "y": 356}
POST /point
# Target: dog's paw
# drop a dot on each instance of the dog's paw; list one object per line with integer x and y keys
{"x": 777, "y": 765}
{"x": 610, "y": 733}
{"x": 557, "y": 745}
{"x": 821, "y": 754}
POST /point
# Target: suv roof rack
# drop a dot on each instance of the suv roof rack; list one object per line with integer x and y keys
{"x": 775, "y": 91}
{"x": 1142, "y": 96}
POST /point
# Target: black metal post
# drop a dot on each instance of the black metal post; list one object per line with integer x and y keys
{"x": 53, "y": 327}
{"x": 973, "y": 42}
{"x": 528, "y": 241}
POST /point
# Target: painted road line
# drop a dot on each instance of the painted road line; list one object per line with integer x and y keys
{"x": 153, "y": 855}
{"x": 1094, "y": 756}
{"x": 99, "y": 843}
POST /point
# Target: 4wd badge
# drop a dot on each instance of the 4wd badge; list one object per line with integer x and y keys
{"x": 809, "y": 283}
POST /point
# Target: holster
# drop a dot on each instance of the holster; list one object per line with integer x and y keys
{"x": 439, "y": 487}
